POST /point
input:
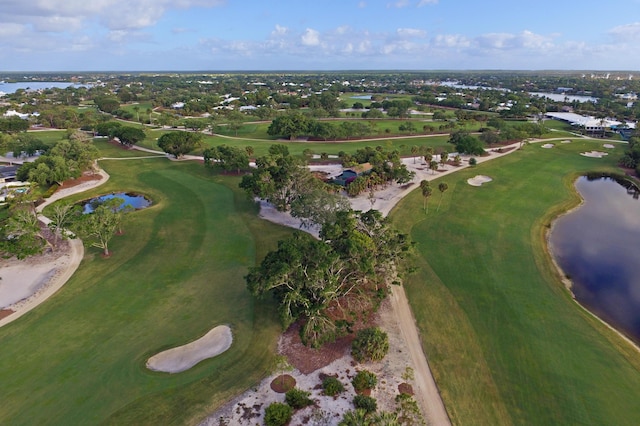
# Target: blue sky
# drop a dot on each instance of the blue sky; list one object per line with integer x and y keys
{"x": 182, "y": 35}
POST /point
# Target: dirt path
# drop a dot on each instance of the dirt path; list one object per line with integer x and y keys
{"x": 64, "y": 265}
{"x": 426, "y": 392}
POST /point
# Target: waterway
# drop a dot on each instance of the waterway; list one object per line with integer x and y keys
{"x": 9, "y": 88}
{"x": 597, "y": 246}
{"x": 130, "y": 201}
{"x": 561, "y": 97}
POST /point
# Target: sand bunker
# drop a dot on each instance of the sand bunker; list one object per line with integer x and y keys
{"x": 608, "y": 146}
{"x": 594, "y": 154}
{"x": 566, "y": 141}
{"x": 478, "y": 180}
{"x": 547, "y": 145}
{"x": 184, "y": 357}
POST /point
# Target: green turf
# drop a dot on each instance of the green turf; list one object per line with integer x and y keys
{"x": 506, "y": 342}
{"x": 176, "y": 272}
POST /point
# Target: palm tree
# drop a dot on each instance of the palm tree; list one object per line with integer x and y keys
{"x": 425, "y": 187}
{"x": 249, "y": 150}
{"x": 414, "y": 151}
{"x": 433, "y": 165}
{"x": 442, "y": 187}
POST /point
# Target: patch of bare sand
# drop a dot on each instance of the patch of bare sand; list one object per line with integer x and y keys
{"x": 44, "y": 275}
{"x": 182, "y": 358}
{"x": 334, "y": 360}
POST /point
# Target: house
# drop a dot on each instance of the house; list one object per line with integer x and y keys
{"x": 8, "y": 173}
{"x": 349, "y": 175}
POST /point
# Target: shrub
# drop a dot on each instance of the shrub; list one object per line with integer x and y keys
{"x": 364, "y": 380}
{"x": 277, "y": 414}
{"x": 473, "y": 161}
{"x": 297, "y": 398}
{"x": 332, "y": 386}
{"x": 366, "y": 403}
{"x": 370, "y": 344}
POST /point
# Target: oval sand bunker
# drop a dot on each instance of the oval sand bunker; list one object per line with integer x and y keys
{"x": 478, "y": 180}
{"x": 184, "y": 357}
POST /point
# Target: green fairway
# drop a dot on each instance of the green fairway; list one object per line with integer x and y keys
{"x": 505, "y": 341}
{"x": 177, "y": 272}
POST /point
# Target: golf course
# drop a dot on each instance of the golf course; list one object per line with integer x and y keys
{"x": 504, "y": 339}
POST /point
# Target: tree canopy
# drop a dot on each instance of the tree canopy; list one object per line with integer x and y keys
{"x": 179, "y": 143}
{"x": 343, "y": 273}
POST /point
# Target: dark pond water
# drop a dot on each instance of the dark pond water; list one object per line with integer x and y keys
{"x": 134, "y": 201}
{"x": 598, "y": 247}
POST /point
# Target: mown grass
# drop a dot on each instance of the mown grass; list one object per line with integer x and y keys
{"x": 505, "y": 340}
{"x": 79, "y": 358}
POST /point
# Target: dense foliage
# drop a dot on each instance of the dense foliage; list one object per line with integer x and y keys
{"x": 277, "y": 414}
{"x": 370, "y": 344}
{"x": 364, "y": 380}
{"x": 179, "y": 143}
{"x": 327, "y": 283}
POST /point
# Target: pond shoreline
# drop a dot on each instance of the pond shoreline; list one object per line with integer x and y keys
{"x": 568, "y": 282}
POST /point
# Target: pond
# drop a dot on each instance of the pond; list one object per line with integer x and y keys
{"x": 598, "y": 248}
{"x": 133, "y": 201}
{"x": 363, "y": 97}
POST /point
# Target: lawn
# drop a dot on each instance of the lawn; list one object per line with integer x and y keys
{"x": 505, "y": 340}
{"x": 177, "y": 272}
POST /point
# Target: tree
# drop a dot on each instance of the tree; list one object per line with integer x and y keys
{"x": 425, "y": 188}
{"x": 332, "y": 386}
{"x": 279, "y": 178}
{"x": 370, "y": 344}
{"x": 444, "y": 157}
{"x": 227, "y": 157}
{"x": 22, "y": 235}
{"x": 235, "y": 121}
{"x": 61, "y": 216}
{"x": 128, "y": 135}
{"x": 101, "y": 225}
{"x": 442, "y": 187}
{"x": 364, "y": 380}
{"x": 249, "y": 150}
{"x": 318, "y": 206}
{"x": 298, "y": 398}
{"x": 106, "y": 104}
{"x": 433, "y": 165}
{"x": 366, "y": 403}
{"x": 289, "y": 126}
{"x": 179, "y": 143}
{"x": 414, "y": 151}
{"x": 277, "y": 414}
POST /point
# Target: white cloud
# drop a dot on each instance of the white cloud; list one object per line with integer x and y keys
{"x": 399, "y": 4}
{"x": 280, "y": 30}
{"x": 311, "y": 37}
{"x": 454, "y": 41}
{"x": 362, "y": 4}
{"x": 626, "y": 33}
{"x": 411, "y": 32}
{"x": 52, "y": 15}
{"x": 426, "y": 2}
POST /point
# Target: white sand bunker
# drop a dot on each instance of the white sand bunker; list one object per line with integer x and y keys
{"x": 184, "y": 357}
{"x": 608, "y": 146}
{"x": 566, "y": 141}
{"x": 594, "y": 154}
{"x": 478, "y": 180}
{"x": 548, "y": 145}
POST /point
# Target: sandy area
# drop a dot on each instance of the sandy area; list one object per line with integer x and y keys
{"x": 478, "y": 180}
{"x": 181, "y": 358}
{"x": 594, "y": 154}
{"x": 248, "y": 408}
{"x": 29, "y": 282}
{"x": 608, "y": 146}
{"x": 547, "y": 145}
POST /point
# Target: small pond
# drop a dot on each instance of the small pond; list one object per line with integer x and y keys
{"x": 131, "y": 200}
{"x": 598, "y": 248}
{"x": 363, "y": 97}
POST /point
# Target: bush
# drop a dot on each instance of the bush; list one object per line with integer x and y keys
{"x": 473, "y": 161}
{"x": 297, "y": 398}
{"x": 277, "y": 414}
{"x": 364, "y": 380}
{"x": 366, "y": 403}
{"x": 332, "y": 386}
{"x": 370, "y": 344}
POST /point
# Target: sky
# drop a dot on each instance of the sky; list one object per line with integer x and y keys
{"x": 225, "y": 35}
